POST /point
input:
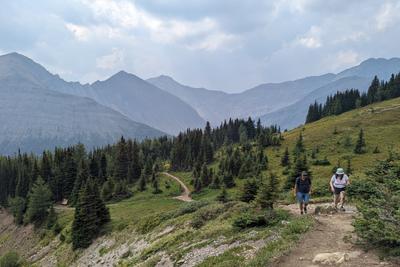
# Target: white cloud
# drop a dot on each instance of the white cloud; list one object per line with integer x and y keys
{"x": 343, "y": 59}
{"x": 293, "y": 6}
{"x": 81, "y": 33}
{"x": 125, "y": 16}
{"x": 85, "y": 33}
{"x": 111, "y": 61}
{"x": 310, "y": 42}
{"x": 215, "y": 41}
{"x": 311, "y": 39}
{"x": 387, "y": 16}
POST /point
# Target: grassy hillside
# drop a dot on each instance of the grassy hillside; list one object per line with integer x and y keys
{"x": 150, "y": 228}
{"x": 381, "y": 125}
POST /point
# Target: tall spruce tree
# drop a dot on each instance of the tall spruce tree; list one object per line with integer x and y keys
{"x": 223, "y": 196}
{"x": 90, "y": 215}
{"x": 360, "y": 144}
{"x": 121, "y": 162}
{"x": 39, "y": 202}
{"x": 228, "y": 180}
{"x": 285, "y": 160}
{"x": 268, "y": 192}
{"x": 82, "y": 177}
{"x": 142, "y": 182}
{"x": 249, "y": 191}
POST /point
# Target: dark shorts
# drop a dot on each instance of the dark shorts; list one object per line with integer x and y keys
{"x": 339, "y": 190}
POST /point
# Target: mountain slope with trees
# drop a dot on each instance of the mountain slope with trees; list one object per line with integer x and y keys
{"x": 237, "y": 172}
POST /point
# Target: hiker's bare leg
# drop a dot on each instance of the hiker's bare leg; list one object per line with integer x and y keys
{"x": 342, "y": 198}
{"x": 336, "y": 198}
{"x": 301, "y": 207}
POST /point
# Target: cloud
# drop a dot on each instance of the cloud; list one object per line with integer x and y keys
{"x": 343, "y": 59}
{"x": 125, "y": 16}
{"x": 311, "y": 39}
{"x": 388, "y": 16}
{"x": 229, "y": 45}
{"x": 81, "y": 33}
{"x": 110, "y": 61}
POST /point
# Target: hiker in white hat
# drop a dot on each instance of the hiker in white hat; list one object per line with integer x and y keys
{"x": 338, "y": 183}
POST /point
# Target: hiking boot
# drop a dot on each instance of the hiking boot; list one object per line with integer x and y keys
{"x": 305, "y": 210}
{"x": 301, "y": 212}
{"x": 342, "y": 209}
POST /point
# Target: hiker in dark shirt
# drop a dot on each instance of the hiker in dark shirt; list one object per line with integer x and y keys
{"x": 302, "y": 191}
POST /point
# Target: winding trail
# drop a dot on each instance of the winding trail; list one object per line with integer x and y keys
{"x": 185, "y": 196}
{"x": 330, "y": 242}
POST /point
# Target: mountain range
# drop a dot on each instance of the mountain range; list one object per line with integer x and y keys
{"x": 284, "y": 103}
{"x": 40, "y": 110}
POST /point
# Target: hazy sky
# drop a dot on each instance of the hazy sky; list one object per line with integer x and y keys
{"x": 228, "y": 45}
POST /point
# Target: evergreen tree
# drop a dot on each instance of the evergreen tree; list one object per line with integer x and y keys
{"x": 102, "y": 212}
{"x": 69, "y": 172}
{"x": 249, "y": 191}
{"x": 46, "y": 172}
{"x": 299, "y": 147}
{"x": 94, "y": 167}
{"x": 349, "y": 169}
{"x": 216, "y": 183}
{"x": 360, "y": 145}
{"x": 102, "y": 176}
{"x": 228, "y": 180}
{"x": 156, "y": 188}
{"x": 243, "y": 133}
{"x": 107, "y": 190}
{"x": 262, "y": 160}
{"x": 142, "y": 182}
{"x": 121, "y": 162}
{"x": 82, "y": 177}
{"x": 17, "y": 207}
{"x": 23, "y": 182}
{"x": 205, "y": 175}
{"x": 51, "y": 218}
{"x": 84, "y": 226}
{"x": 268, "y": 193}
{"x": 39, "y": 202}
{"x": 90, "y": 215}
{"x": 197, "y": 185}
{"x": 121, "y": 190}
{"x": 223, "y": 195}
{"x": 372, "y": 94}
{"x": 285, "y": 160}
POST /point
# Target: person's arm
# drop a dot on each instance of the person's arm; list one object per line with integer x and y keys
{"x": 347, "y": 180}
{"x": 331, "y": 184}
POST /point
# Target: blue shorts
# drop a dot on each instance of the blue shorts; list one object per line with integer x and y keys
{"x": 303, "y": 197}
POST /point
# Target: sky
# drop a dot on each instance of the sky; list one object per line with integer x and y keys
{"x": 229, "y": 45}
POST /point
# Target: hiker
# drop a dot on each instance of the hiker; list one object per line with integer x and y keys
{"x": 338, "y": 183}
{"x": 302, "y": 191}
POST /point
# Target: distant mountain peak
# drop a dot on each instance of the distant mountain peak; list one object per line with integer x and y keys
{"x": 123, "y": 76}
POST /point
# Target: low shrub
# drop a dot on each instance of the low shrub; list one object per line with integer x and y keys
{"x": 321, "y": 162}
{"x": 10, "y": 259}
{"x": 205, "y": 214}
{"x": 379, "y": 206}
{"x": 190, "y": 208}
{"x": 257, "y": 219}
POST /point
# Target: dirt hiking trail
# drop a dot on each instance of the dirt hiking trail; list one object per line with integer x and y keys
{"x": 186, "y": 192}
{"x": 329, "y": 243}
